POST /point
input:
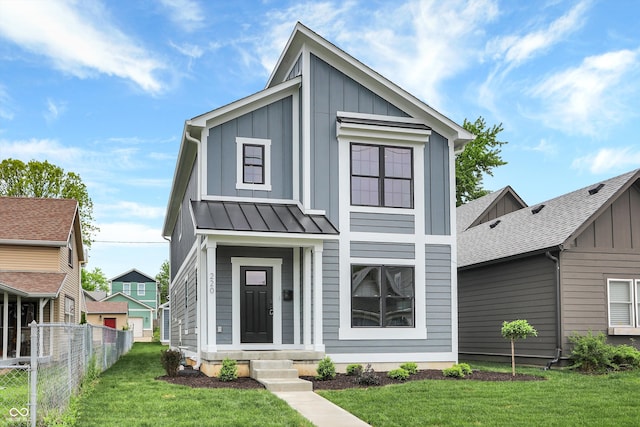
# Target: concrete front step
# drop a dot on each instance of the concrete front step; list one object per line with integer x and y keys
{"x": 274, "y": 373}
{"x": 286, "y": 384}
{"x": 271, "y": 364}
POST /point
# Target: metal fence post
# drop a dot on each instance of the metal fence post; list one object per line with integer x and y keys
{"x": 33, "y": 367}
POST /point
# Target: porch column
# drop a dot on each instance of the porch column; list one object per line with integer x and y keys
{"x": 210, "y": 307}
{"x": 18, "y": 324}
{"x": 306, "y": 305}
{"x": 5, "y": 328}
{"x": 296, "y": 296}
{"x": 318, "y": 342}
{"x": 41, "y": 304}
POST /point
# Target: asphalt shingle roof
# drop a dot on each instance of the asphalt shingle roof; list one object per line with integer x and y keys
{"x": 38, "y": 220}
{"x": 43, "y": 284}
{"x": 102, "y": 307}
{"x": 523, "y": 232}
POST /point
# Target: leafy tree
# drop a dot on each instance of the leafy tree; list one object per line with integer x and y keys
{"x": 163, "y": 282}
{"x": 515, "y": 330}
{"x": 479, "y": 157}
{"x": 43, "y": 179}
{"x": 94, "y": 280}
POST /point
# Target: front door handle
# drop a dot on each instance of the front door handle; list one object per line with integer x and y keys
{"x": 271, "y": 310}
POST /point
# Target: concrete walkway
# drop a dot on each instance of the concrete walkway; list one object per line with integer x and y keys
{"x": 319, "y": 410}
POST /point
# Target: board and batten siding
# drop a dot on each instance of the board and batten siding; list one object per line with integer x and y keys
{"x": 183, "y": 235}
{"x": 503, "y": 206}
{"x": 437, "y": 301}
{"x": 437, "y": 206}
{"x": 490, "y": 295}
{"x": 273, "y": 122}
{"x": 224, "y": 303}
{"x": 183, "y": 313}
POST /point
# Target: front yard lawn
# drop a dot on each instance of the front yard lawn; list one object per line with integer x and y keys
{"x": 566, "y": 399}
{"x": 129, "y": 395}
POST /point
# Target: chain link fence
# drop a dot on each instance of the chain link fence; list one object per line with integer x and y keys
{"x": 61, "y": 355}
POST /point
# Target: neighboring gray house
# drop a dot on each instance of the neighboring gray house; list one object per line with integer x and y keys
{"x": 567, "y": 265}
{"x": 316, "y": 216}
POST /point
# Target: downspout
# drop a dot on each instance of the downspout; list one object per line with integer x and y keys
{"x": 191, "y": 139}
{"x": 558, "y": 352}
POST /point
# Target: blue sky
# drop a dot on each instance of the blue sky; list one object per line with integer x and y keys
{"x": 103, "y": 88}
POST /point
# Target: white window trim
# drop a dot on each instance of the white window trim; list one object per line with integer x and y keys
{"x": 635, "y": 301}
{"x": 140, "y": 289}
{"x": 266, "y": 143}
{"x": 276, "y": 264}
{"x": 126, "y": 291}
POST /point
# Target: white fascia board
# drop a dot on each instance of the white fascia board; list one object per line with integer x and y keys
{"x": 249, "y": 103}
{"x": 271, "y": 239}
{"x": 47, "y": 243}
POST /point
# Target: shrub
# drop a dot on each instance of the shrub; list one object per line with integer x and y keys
{"x": 398, "y": 374}
{"x": 455, "y": 371}
{"x": 326, "y": 369}
{"x": 367, "y": 376}
{"x": 626, "y": 357}
{"x": 591, "y": 353}
{"x": 410, "y": 367}
{"x": 229, "y": 370}
{"x": 466, "y": 369}
{"x": 156, "y": 334}
{"x": 170, "y": 360}
{"x": 353, "y": 369}
{"x": 517, "y": 330}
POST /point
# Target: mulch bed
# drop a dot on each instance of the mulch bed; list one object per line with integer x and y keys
{"x": 197, "y": 379}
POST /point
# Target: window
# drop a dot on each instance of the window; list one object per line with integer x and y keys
{"x": 254, "y": 164}
{"x": 69, "y": 310}
{"x": 381, "y": 176}
{"x": 126, "y": 288}
{"x": 140, "y": 288}
{"x": 382, "y": 296}
{"x": 624, "y": 303}
{"x": 70, "y": 251}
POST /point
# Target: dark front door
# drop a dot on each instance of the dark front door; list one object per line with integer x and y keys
{"x": 256, "y": 305}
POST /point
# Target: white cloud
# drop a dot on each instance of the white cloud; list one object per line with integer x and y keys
{"x": 121, "y": 233}
{"x": 40, "y": 149}
{"x": 185, "y": 13}
{"x": 609, "y": 160}
{"x": 192, "y": 51}
{"x": 544, "y": 147}
{"x": 79, "y": 39}
{"x": 590, "y": 97}
{"x": 54, "y": 110}
{"x": 6, "y": 109}
{"x": 130, "y": 209}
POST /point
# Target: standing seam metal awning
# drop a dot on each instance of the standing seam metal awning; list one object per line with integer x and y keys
{"x": 261, "y": 217}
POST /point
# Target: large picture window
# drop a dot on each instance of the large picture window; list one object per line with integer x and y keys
{"x": 381, "y": 176}
{"x": 382, "y": 296}
{"x": 624, "y": 303}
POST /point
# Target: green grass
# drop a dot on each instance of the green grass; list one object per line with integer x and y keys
{"x": 566, "y": 398}
{"x": 128, "y": 395}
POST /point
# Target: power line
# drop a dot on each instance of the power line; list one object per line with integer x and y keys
{"x": 129, "y": 243}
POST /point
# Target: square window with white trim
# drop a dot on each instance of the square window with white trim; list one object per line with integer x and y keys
{"x": 624, "y": 303}
{"x": 253, "y": 168}
{"x": 381, "y": 176}
{"x": 382, "y": 296}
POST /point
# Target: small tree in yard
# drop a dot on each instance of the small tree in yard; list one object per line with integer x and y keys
{"x": 515, "y": 330}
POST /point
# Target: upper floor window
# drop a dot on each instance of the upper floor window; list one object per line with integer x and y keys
{"x": 70, "y": 251}
{"x": 624, "y": 302}
{"x": 126, "y": 288}
{"x": 140, "y": 288}
{"x": 381, "y": 176}
{"x": 253, "y": 164}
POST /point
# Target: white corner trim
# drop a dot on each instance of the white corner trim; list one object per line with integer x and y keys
{"x": 266, "y": 143}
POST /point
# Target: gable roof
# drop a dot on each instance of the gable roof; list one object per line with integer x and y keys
{"x": 130, "y": 300}
{"x": 468, "y": 214}
{"x": 94, "y": 295}
{"x": 32, "y": 284}
{"x": 304, "y": 38}
{"x": 526, "y": 231}
{"x": 109, "y": 307}
{"x": 133, "y": 275}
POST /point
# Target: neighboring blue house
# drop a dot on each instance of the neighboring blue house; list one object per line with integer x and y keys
{"x": 140, "y": 291}
{"x": 315, "y": 217}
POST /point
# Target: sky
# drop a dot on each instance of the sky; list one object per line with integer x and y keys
{"x": 103, "y": 88}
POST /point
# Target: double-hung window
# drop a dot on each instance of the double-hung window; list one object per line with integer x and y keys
{"x": 624, "y": 303}
{"x": 381, "y": 175}
{"x": 69, "y": 310}
{"x": 126, "y": 288}
{"x": 140, "y": 288}
{"x": 382, "y": 296}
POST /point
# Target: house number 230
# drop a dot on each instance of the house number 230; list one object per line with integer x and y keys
{"x": 212, "y": 282}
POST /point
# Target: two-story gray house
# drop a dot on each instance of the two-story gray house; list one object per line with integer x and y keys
{"x": 316, "y": 217}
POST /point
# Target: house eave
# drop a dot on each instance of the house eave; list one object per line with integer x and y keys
{"x": 555, "y": 248}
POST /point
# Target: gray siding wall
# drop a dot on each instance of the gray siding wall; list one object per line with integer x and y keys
{"x": 296, "y": 70}
{"x": 520, "y": 289}
{"x": 382, "y": 223}
{"x": 383, "y": 250}
{"x": 182, "y": 237}
{"x": 503, "y": 206}
{"x": 183, "y": 310}
{"x": 437, "y": 199}
{"x": 333, "y": 91}
{"x": 270, "y": 122}
{"x": 437, "y": 300}
{"x": 223, "y": 293}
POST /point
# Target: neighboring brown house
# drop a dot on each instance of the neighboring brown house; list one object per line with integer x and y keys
{"x": 567, "y": 265}
{"x": 41, "y": 253}
{"x": 106, "y": 313}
